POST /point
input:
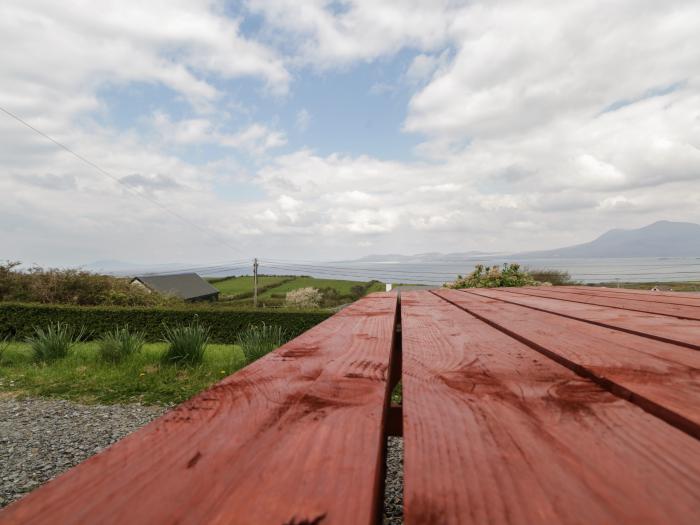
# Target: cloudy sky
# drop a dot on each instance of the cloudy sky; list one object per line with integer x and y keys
{"x": 332, "y": 129}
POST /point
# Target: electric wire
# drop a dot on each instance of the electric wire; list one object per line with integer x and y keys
{"x": 206, "y": 231}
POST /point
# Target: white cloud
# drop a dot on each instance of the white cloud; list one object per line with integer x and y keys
{"x": 543, "y": 123}
{"x": 59, "y": 54}
{"x": 255, "y": 139}
{"x": 520, "y": 66}
{"x": 358, "y": 30}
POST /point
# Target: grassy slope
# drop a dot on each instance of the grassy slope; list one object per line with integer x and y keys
{"x": 244, "y": 283}
{"x": 83, "y": 377}
{"x": 343, "y": 287}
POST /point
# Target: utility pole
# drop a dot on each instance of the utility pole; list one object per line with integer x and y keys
{"x": 255, "y": 282}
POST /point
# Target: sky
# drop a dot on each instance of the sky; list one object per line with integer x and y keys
{"x": 327, "y": 130}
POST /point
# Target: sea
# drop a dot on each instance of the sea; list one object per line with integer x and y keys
{"x": 594, "y": 270}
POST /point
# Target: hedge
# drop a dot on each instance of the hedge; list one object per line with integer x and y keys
{"x": 18, "y": 320}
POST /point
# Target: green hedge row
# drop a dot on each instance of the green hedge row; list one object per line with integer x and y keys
{"x": 18, "y": 320}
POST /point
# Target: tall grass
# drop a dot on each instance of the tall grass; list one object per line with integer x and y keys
{"x": 140, "y": 378}
{"x": 120, "y": 343}
{"x": 259, "y": 340}
{"x": 54, "y": 341}
{"x": 4, "y": 345}
{"x": 186, "y": 343}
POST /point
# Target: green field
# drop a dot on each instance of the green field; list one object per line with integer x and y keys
{"x": 276, "y": 287}
{"x": 244, "y": 283}
{"x": 342, "y": 287}
{"x": 82, "y": 377}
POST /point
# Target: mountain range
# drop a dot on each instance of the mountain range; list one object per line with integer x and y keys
{"x": 660, "y": 239}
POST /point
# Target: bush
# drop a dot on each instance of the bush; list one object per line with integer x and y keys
{"x": 186, "y": 343}
{"x": 304, "y": 298}
{"x": 17, "y": 320}
{"x": 120, "y": 343}
{"x": 54, "y": 342}
{"x": 259, "y": 340}
{"x": 493, "y": 277}
{"x": 554, "y": 277}
{"x": 54, "y": 286}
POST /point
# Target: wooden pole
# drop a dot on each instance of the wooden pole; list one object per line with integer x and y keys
{"x": 255, "y": 282}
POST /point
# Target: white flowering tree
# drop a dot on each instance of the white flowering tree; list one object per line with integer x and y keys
{"x": 304, "y": 298}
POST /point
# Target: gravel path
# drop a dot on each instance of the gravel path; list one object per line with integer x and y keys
{"x": 40, "y": 438}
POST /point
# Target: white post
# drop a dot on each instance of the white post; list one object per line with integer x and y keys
{"x": 388, "y": 287}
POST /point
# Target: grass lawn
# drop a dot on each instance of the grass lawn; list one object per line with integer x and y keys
{"x": 82, "y": 377}
{"x": 678, "y": 286}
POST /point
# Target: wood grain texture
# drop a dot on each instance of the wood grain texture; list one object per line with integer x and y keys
{"x": 494, "y": 432}
{"x": 669, "y": 329}
{"x": 660, "y": 377}
{"x": 296, "y": 437}
{"x": 674, "y": 310}
{"x": 690, "y": 298}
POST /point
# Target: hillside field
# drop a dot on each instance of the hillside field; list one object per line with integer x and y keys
{"x": 273, "y": 288}
{"x": 244, "y": 283}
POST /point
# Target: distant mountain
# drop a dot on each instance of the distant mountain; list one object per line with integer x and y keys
{"x": 661, "y": 239}
{"x": 429, "y": 257}
{"x": 114, "y": 267}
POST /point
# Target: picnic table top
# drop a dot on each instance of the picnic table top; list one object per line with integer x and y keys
{"x": 527, "y": 405}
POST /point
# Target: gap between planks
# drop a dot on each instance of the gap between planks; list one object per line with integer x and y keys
{"x": 501, "y": 295}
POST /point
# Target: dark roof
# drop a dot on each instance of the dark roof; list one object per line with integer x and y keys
{"x": 183, "y": 285}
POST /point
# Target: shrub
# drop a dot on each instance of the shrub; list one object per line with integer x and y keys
{"x": 186, "y": 343}
{"x": 554, "y": 277}
{"x": 304, "y": 298}
{"x": 330, "y": 297}
{"x": 120, "y": 343}
{"x": 358, "y": 291}
{"x": 54, "y": 342}
{"x": 259, "y": 340}
{"x": 17, "y": 320}
{"x": 56, "y": 286}
{"x": 493, "y": 277}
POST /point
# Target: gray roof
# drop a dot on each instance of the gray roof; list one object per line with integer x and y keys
{"x": 183, "y": 285}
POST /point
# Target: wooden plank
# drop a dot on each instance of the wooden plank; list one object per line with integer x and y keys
{"x": 647, "y": 296}
{"x": 669, "y": 329}
{"x": 682, "y": 312}
{"x": 494, "y": 432}
{"x": 662, "y": 378}
{"x": 296, "y": 437}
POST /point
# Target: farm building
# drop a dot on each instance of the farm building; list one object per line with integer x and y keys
{"x": 187, "y": 286}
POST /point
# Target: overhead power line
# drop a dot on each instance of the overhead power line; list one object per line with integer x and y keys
{"x": 211, "y": 234}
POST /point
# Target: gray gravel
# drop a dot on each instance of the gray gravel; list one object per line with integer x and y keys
{"x": 41, "y": 438}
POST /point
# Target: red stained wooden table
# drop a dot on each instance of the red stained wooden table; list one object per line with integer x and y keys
{"x": 519, "y": 406}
